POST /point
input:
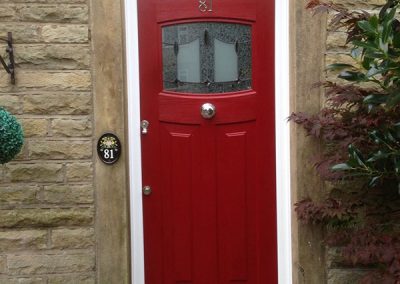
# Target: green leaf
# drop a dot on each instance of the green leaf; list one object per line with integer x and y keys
{"x": 339, "y": 66}
{"x": 375, "y": 99}
{"x": 342, "y": 167}
{"x": 373, "y": 182}
{"x": 374, "y": 22}
{"x": 378, "y": 156}
{"x": 355, "y": 156}
{"x": 366, "y": 45}
{"x": 366, "y": 26}
{"x": 393, "y": 100}
{"x": 353, "y": 76}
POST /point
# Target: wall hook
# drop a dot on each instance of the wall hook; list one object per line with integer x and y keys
{"x": 10, "y": 67}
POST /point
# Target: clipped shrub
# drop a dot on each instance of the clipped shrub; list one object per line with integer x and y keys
{"x": 11, "y": 136}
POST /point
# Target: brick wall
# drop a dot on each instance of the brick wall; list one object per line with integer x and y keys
{"x": 47, "y": 194}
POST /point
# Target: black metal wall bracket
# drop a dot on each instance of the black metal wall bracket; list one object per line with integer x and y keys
{"x": 10, "y": 67}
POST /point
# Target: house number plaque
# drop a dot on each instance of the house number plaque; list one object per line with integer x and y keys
{"x": 109, "y": 148}
{"x": 205, "y": 5}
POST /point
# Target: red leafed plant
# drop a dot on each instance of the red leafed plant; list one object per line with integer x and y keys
{"x": 360, "y": 130}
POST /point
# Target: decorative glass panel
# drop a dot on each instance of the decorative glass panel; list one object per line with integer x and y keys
{"x": 226, "y": 61}
{"x": 207, "y": 57}
{"x": 188, "y": 62}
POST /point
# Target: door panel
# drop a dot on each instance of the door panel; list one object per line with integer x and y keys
{"x": 211, "y": 217}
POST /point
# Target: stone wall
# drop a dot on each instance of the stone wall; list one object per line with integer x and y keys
{"x": 47, "y": 193}
{"x": 337, "y": 51}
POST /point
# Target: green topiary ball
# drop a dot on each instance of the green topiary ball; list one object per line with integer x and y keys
{"x": 11, "y": 136}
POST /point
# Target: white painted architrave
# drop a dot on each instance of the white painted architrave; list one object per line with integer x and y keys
{"x": 135, "y": 161}
{"x": 282, "y": 141}
{"x": 282, "y": 138}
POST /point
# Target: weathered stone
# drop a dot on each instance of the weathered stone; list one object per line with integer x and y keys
{"x": 11, "y": 103}
{"x": 334, "y": 258}
{"x": 67, "y": 194}
{"x": 7, "y": 13}
{"x": 18, "y": 194}
{"x": 58, "y": 150}
{"x": 71, "y": 279}
{"x": 358, "y": 4}
{"x": 46, "y": 217}
{"x": 46, "y": 1}
{"x": 23, "y": 152}
{"x": 78, "y": 80}
{"x": 39, "y": 33}
{"x": 72, "y": 238}
{"x": 336, "y": 41}
{"x": 25, "y": 280}
{"x": 23, "y": 240}
{"x": 3, "y": 265}
{"x": 79, "y": 171}
{"x": 43, "y": 264}
{"x": 38, "y": 172}
{"x": 332, "y": 58}
{"x": 71, "y": 127}
{"x": 35, "y": 127}
{"x": 65, "y": 33}
{"x": 53, "y": 56}
{"x": 22, "y": 32}
{"x": 57, "y": 103}
{"x": 50, "y": 13}
{"x": 345, "y": 276}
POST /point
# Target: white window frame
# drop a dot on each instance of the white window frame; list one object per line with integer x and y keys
{"x": 282, "y": 103}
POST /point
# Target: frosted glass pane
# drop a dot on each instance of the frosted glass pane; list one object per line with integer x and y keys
{"x": 226, "y": 61}
{"x": 188, "y": 61}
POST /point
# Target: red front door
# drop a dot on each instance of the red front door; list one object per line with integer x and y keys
{"x": 207, "y": 91}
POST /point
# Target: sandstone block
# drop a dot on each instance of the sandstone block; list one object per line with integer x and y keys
{"x": 68, "y": 194}
{"x": 22, "y": 32}
{"x": 72, "y": 238}
{"x": 71, "y": 279}
{"x": 46, "y": 1}
{"x": 38, "y": 172}
{"x": 332, "y": 58}
{"x": 11, "y": 103}
{"x": 345, "y": 276}
{"x": 78, "y": 80}
{"x": 58, "y": 150}
{"x": 18, "y": 194}
{"x": 53, "y": 56}
{"x": 336, "y": 41}
{"x": 3, "y": 265}
{"x": 46, "y": 217}
{"x": 57, "y": 103}
{"x": 65, "y": 33}
{"x": 7, "y": 13}
{"x": 79, "y": 171}
{"x": 358, "y": 4}
{"x": 51, "y": 264}
{"x": 23, "y": 240}
{"x": 23, "y": 280}
{"x": 51, "y": 13}
{"x": 50, "y": 33}
{"x": 35, "y": 127}
{"x": 71, "y": 127}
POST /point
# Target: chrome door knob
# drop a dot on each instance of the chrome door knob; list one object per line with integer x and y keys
{"x": 207, "y": 111}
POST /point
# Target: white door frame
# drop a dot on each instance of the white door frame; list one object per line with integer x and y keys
{"x": 282, "y": 135}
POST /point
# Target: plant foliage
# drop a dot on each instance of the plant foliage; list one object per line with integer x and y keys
{"x": 11, "y": 136}
{"x": 360, "y": 130}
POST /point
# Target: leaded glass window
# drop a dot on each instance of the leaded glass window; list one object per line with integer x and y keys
{"x": 207, "y": 57}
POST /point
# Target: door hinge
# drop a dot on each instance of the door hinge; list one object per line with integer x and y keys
{"x": 144, "y": 125}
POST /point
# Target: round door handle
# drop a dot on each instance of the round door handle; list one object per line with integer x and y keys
{"x": 207, "y": 110}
